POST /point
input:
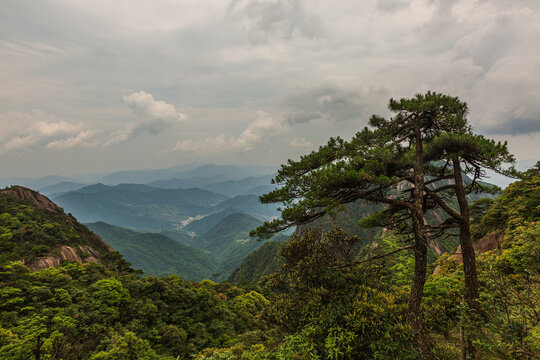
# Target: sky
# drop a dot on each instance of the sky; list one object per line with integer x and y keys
{"x": 98, "y": 86}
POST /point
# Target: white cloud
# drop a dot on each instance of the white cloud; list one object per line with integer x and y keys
{"x": 25, "y": 131}
{"x": 56, "y": 128}
{"x": 154, "y": 117}
{"x": 258, "y": 131}
{"x": 18, "y": 143}
{"x": 144, "y": 105}
{"x": 300, "y": 143}
{"x": 119, "y": 136}
{"x": 83, "y": 138}
{"x": 39, "y": 129}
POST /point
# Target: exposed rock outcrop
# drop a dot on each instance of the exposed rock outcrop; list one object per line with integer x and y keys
{"x": 66, "y": 253}
{"x": 491, "y": 241}
{"x": 25, "y": 194}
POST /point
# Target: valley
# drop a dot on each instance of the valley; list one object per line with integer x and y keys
{"x": 164, "y": 228}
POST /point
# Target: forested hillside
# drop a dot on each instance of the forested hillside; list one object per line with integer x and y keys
{"x": 157, "y": 254}
{"x": 213, "y": 254}
{"x": 310, "y": 309}
{"x": 37, "y": 232}
{"x": 331, "y": 311}
{"x": 262, "y": 262}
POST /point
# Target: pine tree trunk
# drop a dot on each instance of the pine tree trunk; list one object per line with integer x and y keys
{"x": 462, "y": 342}
{"x": 420, "y": 252}
{"x": 37, "y": 351}
{"x": 467, "y": 251}
{"x": 417, "y": 290}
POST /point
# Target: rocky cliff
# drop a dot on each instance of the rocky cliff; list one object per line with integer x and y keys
{"x": 82, "y": 254}
{"x": 25, "y": 194}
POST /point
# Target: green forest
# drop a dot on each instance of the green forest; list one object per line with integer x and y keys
{"x": 441, "y": 265}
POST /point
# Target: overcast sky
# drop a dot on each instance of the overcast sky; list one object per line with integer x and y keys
{"x": 95, "y": 86}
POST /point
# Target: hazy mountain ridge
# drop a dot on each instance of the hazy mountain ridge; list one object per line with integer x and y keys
{"x": 61, "y": 187}
{"x": 230, "y": 241}
{"x": 139, "y": 206}
{"x": 240, "y": 187}
{"x": 144, "y": 207}
{"x": 209, "y": 221}
{"x": 145, "y": 176}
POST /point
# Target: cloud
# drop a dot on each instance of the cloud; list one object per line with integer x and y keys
{"x": 83, "y": 138}
{"x": 144, "y": 105}
{"x": 278, "y": 19}
{"x": 332, "y": 101}
{"x": 154, "y": 117}
{"x": 391, "y": 5}
{"x": 39, "y": 129}
{"x": 505, "y": 97}
{"x": 258, "y": 131}
{"x": 24, "y": 131}
{"x": 321, "y": 66}
{"x": 300, "y": 143}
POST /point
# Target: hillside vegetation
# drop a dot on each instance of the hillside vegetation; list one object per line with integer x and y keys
{"x": 32, "y": 227}
{"x": 309, "y": 309}
{"x": 359, "y": 312}
{"x": 262, "y": 262}
{"x": 213, "y": 254}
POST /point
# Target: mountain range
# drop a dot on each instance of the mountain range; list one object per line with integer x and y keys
{"x": 216, "y": 173}
{"x": 203, "y": 231}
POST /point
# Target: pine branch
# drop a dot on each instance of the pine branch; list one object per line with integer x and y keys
{"x": 372, "y": 258}
{"x": 443, "y": 205}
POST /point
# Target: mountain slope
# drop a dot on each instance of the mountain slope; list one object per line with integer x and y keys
{"x": 261, "y": 262}
{"x": 147, "y": 208}
{"x": 183, "y": 183}
{"x": 144, "y": 176}
{"x": 208, "y": 222}
{"x": 157, "y": 254}
{"x": 38, "y": 232}
{"x": 229, "y": 240}
{"x": 225, "y": 172}
{"x": 225, "y": 179}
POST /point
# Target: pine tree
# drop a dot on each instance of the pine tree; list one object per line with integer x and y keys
{"x": 398, "y": 162}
